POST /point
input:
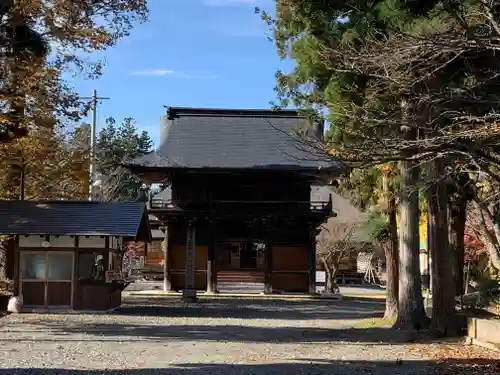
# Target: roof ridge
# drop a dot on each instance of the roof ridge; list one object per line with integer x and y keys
{"x": 64, "y": 201}
{"x": 173, "y": 112}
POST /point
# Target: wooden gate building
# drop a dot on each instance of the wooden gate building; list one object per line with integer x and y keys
{"x": 240, "y": 202}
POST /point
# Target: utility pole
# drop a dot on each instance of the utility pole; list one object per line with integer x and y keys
{"x": 93, "y": 135}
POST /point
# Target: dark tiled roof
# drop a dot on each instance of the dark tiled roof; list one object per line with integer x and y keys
{"x": 165, "y": 195}
{"x": 345, "y": 210}
{"x": 157, "y": 234}
{"x": 347, "y": 215}
{"x": 234, "y": 139}
{"x": 151, "y": 160}
{"x": 74, "y": 218}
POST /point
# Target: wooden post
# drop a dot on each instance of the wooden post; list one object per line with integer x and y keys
{"x": 17, "y": 267}
{"x": 107, "y": 257}
{"x": 211, "y": 273}
{"x": 268, "y": 268}
{"x": 74, "y": 283}
{"x": 167, "y": 284}
{"x": 189, "y": 290}
{"x": 312, "y": 261}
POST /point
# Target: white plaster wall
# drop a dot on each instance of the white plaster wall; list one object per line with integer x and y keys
{"x": 31, "y": 241}
{"x": 91, "y": 242}
{"x": 62, "y": 241}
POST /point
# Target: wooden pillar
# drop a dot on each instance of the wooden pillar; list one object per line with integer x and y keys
{"x": 268, "y": 268}
{"x": 211, "y": 271}
{"x": 107, "y": 256}
{"x": 312, "y": 261}
{"x": 17, "y": 267}
{"x": 189, "y": 290}
{"x": 167, "y": 282}
{"x": 74, "y": 282}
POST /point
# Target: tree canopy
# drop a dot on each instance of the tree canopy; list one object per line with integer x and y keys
{"x": 115, "y": 144}
{"x": 39, "y": 40}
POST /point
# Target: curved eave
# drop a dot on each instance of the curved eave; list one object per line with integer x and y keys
{"x": 154, "y": 162}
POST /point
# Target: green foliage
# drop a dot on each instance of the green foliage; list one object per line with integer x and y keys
{"x": 304, "y": 28}
{"x": 115, "y": 144}
{"x": 377, "y": 228}
{"x": 362, "y": 186}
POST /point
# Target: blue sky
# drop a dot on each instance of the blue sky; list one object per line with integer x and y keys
{"x": 198, "y": 53}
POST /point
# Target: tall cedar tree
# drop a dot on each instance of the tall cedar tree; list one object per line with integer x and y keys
{"x": 412, "y": 81}
{"x": 302, "y": 30}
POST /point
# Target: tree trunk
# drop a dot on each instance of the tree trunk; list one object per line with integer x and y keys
{"x": 458, "y": 217}
{"x": 6, "y": 257}
{"x": 330, "y": 282}
{"x": 444, "y": 322}
{"x": 490, "y": 237}
{"x": 391, "y": 251}
{"x": 410, "y": 302}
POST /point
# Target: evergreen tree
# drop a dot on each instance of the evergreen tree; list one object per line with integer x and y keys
{"x": 321, "y": 38}
{"x": 115, "y": 144}
{"x": 408, "y": 81}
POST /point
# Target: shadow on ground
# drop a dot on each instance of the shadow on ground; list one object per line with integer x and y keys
{"x": 113, "y": 331}
{"x": 345, "y": 309}
{"x": 111, "y": 327}
{"x": 443, "y": 367}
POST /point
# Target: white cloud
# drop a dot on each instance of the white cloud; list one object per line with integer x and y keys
{"x": 153, "y": 72}
{"x": 173, "y": 73}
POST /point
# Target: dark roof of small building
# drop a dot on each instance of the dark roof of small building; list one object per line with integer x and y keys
{"x": 75, "y": 218}
{"x": 236, "y": 139}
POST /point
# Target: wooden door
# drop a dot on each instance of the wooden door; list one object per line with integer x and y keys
{"x": 248, "y": 256}
{"x": 59, "y": 278}
{"x": 33, "y": 276}
{"x": 47, "y": 278}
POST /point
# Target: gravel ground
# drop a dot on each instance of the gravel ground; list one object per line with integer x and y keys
{"x": 165, "y": 336}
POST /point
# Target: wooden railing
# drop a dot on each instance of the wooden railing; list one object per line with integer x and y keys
{"x": 160, "y": 204}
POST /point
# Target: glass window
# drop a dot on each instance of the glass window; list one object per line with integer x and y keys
{"x": 33, "y": 266}
{"x": 60, "y": 266}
